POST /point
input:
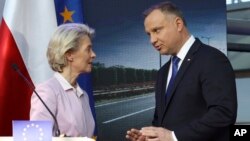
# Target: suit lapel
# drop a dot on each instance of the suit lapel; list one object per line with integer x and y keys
{"x": 163, "y": 83}
{"x": 182, "y": 70}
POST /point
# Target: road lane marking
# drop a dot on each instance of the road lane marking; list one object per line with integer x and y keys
{"x": 122, "y": 101}
{"x": 118, "y": 118}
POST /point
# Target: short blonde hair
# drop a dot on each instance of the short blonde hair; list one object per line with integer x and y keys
{"x": 66, "y": 38}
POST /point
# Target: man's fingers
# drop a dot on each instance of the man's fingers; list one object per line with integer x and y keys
{"x": 133, "y": 134}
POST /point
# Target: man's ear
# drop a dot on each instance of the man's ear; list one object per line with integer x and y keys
{"x": 179, "y": 23}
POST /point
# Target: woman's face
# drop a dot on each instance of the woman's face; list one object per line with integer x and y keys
{"x": 82, "y": 59}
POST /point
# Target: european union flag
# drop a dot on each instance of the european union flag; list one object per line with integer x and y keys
{"x": 24, "y": 130}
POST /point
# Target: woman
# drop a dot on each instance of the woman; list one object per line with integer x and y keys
{"x": 69, "y": 54}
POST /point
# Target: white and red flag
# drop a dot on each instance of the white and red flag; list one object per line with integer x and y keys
{"x": 25, "y": 30}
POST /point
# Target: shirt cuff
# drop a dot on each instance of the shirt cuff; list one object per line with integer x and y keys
{"x": 174, "y": 137}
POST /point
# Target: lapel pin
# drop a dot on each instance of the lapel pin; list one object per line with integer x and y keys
{"x": 188, "y": 59}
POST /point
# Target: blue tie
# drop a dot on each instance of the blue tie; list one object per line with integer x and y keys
{"x": 175, "y": 61}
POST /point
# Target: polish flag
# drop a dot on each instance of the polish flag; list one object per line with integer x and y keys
{"x": 25, "y": 30}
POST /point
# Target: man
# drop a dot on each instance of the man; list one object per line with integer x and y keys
{"x": 195, "y": 91}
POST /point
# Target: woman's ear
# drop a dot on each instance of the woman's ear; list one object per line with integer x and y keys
{"x": 69, "y": 57}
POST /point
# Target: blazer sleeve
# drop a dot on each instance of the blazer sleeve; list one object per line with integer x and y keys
{"x": 155, "y": 121}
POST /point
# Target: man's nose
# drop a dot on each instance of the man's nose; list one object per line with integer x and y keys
{"x": 153, "y": 40}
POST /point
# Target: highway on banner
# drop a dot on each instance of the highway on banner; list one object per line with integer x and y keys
{"x": 116, "y": 117}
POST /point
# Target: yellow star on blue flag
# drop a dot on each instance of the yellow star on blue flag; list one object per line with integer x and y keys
{"x": 67, "y": 15}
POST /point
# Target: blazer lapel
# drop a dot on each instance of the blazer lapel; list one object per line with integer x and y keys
{"x": 162, "y": 88}
{"x": 182, "y": 70}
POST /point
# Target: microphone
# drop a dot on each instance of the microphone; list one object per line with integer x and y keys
{"x": 15, "y": 67}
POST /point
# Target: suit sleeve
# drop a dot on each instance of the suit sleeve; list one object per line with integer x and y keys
{"x": 158, "y": 88}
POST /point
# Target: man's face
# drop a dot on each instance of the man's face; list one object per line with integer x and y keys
{"x": 163, "y": 32}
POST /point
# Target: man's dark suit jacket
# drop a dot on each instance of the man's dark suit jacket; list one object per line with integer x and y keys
{"x": 203, "y": 102}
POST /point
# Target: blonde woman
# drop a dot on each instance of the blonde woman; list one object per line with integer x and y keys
{"x": 69, "y": 54}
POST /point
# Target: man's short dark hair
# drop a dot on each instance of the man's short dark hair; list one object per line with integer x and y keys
{"x": 166, "y": 8}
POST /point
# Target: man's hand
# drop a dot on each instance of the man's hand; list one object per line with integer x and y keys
{"x": 135, "y": 135}
{"x": 156, "y": 134}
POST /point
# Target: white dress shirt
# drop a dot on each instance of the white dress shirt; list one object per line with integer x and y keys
{"x": 181, "y": 55}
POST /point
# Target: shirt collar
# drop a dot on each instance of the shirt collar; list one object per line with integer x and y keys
{"x": 66, "y": 85}
{"x": 185, "y": 48}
